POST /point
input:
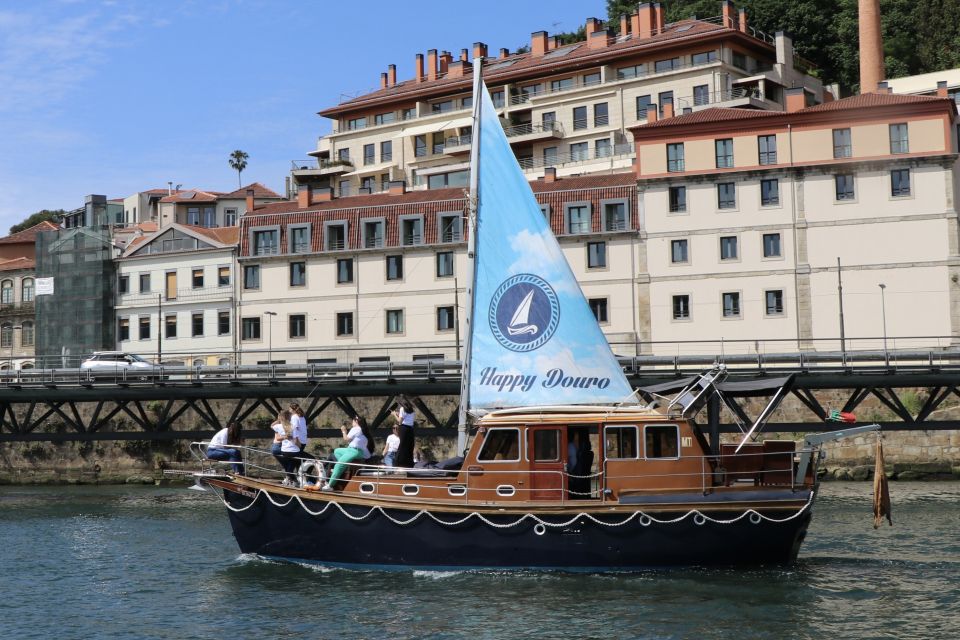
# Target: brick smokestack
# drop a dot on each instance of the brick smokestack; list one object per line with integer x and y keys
{"x": 592, "y": 25}
{"x": 538, "y": 43}
{"x": 479, "y": 50}
{"x": 624, "y": 24}
{"x": 503, "y": 54}
{"x": 304, "y": 196}
{"x": 658, "y": 19}
{"x": 871, "y": 46}
{"x": 644, "y": 20}
{"x": 743, "y": 20}
{"x": 432, "y": 64}
{"x": 796, "y": 99}
{"x": 391, "y": 75}
{"x": 942, "y": 89}
{"x": 728, "y": 14}
{"x": 418, "y": 68}
{"x": 383, "y": 80}
{"x": 250, "y": 201}
{"x": 464, "y": 55}
{"x": 445, "y": 60}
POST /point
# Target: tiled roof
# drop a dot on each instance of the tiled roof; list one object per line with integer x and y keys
{"x": 197, "y": 196}
{"x": 713, "y": 114}
{"x": 135, "y": 242}
{"x": 865, "y": 100}
{"x": 259, "y": 191}
{"x": 525, "y": 64}
{"x": 223, "y": 235}
{"x": 29, "y": 235}
{"x": 18, "y": 263}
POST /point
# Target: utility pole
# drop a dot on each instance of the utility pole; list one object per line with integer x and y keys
{"x": 270, "y": 315}
{"x": 883, "y": 310}
{"x": 843, "y": 341}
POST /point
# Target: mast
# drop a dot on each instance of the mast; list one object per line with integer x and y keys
{"x": 473, "y": 208}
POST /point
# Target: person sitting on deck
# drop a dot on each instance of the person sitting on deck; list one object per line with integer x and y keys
{"x": 358, "y": 446}
{"x": 285, "y": 448}
{"x": 219, "y": 448}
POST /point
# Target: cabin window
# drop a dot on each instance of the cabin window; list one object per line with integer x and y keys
{"x": 501, "y": 445}
{"x": 662, "y": 441}
{"x": 546, "y": 445}
{"x": 620, "y": 443}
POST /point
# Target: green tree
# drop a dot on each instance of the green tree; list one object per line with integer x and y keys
{"x": 238, "y": 162}
{"x": 53, "y": 215}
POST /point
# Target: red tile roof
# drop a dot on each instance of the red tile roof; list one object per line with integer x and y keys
{"x": 713, "y": 114}
{"x": 198, "y": 196}
{"x": 29, "y": 235}
{"x": 259, "y": 191}
{"x": 866, "y": 100}
{"x": 223, "y": 235}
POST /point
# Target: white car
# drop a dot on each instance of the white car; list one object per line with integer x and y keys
{"x": 114, "y": 362}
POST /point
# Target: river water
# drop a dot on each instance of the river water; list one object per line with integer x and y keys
{"x": 146, "y": 562}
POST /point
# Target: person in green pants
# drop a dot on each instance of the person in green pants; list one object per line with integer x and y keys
{"x": 359, "y": 443}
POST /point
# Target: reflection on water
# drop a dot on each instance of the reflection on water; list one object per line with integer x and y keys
{"x": 134, "y": 562}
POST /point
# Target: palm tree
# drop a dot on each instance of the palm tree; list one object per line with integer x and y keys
{"x": 238, "y": 162}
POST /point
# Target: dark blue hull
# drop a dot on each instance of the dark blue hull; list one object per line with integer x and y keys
{"x": 353, "y": 535}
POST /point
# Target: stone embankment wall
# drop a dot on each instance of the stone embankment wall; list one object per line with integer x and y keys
{"x": 909, "y": 455}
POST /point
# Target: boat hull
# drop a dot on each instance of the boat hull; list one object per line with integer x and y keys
{"x": 280, "y": 526}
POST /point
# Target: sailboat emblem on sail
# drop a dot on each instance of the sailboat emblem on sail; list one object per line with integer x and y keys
{"x": 524, "y": 312}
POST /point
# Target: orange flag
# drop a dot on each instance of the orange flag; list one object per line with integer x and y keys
{"x": 881, "y": 491}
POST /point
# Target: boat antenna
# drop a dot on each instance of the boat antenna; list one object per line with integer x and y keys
{"x": 473, "y": 208}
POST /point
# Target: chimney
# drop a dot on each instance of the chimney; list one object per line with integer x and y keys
{"x": 743, "y": 20}
{"x": 635, "y": 25}
{"x": 645, "y": 20}
{"x": 796, "y": 99}
{"x": 883, "y": 87}
{"x": 464, "y": 55}
{"x": 503, "y": 54}
{"x": 652, "y": 113}
{"x": 458, "y": 68}
{"x": 942, "y": 89}
{"x": 250, "y": 202}
{"x": 432, "y": 64}
{"x": 286, "y": 187}
{"x": 324, "y": 195}
{"x": 624, "y": 24}
{"x": 479, "y": 50}
{"x": 304, "y": 196}
{"x": 668, "y": 110}
{"x": 658, "y": 21}
{"x": 592, "y": 25}
{"x": 418, "y": 67}
{"x": 728, "y": 15}
{"x": 552, "y": 43}
{"x": 445, "y": 60}
{"x": 397, "y": 187}
{"x": 383, "y": 80}
{"x": 391, "y": 75}
{"x": 550, "y": 174}
{"x": 783, "y": 44}
{"x": 600, "y": 39}
{"x": 538, "y": 43}
{"x": 871, "y": 46}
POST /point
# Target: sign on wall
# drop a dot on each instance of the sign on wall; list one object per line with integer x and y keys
{"x": 44, "y": 286}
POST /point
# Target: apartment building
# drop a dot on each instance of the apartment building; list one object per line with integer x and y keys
{"x": 176, "y": 295}
{"x": 382, "y": 277}
{"x": 746, "y": 214}
{"x": 937, "y": 83}
{"x": 567, "y": 107}
{"x": 197, "y": 208}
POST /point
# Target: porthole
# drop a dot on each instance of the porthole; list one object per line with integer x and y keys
{"x": 411, "y": 489}
{"x": 506, "y": 490}
{"x": 367, "y": 487}
{"x": 539, "y": 529}
{"x": 644, "y": 520}
{"x": 457, "y": 490}
{"x": 755, "y": 518}
{"x": 699, "y": 519}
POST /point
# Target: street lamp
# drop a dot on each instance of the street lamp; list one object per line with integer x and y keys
{"x": 269, "y": 315}
{"x": 883, "y": 311}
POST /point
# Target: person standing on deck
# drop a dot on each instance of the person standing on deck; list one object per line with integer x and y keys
{"x": 405, "y": 418}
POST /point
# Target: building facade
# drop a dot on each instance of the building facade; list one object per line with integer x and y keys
{"x": 211, "y": 209}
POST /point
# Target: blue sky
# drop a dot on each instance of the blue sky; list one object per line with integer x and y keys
{"x": 118, "y": 96}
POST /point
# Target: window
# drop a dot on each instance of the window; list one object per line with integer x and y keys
{"x": 345, "y": 324}
{"x": 546, "y": 445}
{"x": 450, "y": 227}
{"x": 726, "y": 196}
{"x": 842, "y": 148}
{"x": 229, "y": 217}
{"x": 394, "y": 321}
{"x": 844, "y": 186}
{"x": 170, "y": 327}
{"x": 223, "y": 323}
{"x": 661, "y": 441}
{"x": 615, "y": 216}
{"x": 356, "y": 123}
{"x": 394, "y": 267}
{"x": 681, "y": 307}
{"x": 441, "y": 107}
{"x": 774, "y": 300}
{"x": 578, "y": 218}
{"x": 251, "y": 276}
{"x": 701, "y": 95}
{"x": 196, "y": 278}
{"x": 549, "y": 156}
{"x": 297, "y": 326}
{"x": 625, "y": 73}
{"x": 590, "y": 79}
{"x": 642, "y": 103}
{"x": 209, "y": 217}
{"x": 445, "y": 318}
{"x": 344, "y": 270}
{"x": 728, "y": 247}
{"x": 466, "y": 102}
{"x": 899, "y": 140}
{"x": 336, "y": 236}
{"x": 444, "y": 264}
{"x": 703, "y": 58}
{"x": 144, "y": 283}
{"x": 724, "y": 149}
{"x": 298, "y": 274}
{"x": 599, "y": 308}
{"x": 604, "y": 150}
{"x": 500, "y": 445}
{"x": 731, "y": 304}
{"x": 193, "y": 216}
{"x": 900, "y": 182}
{"x": 549, "y": 120}
{"x": 675, "y": 157}
{"x": 420, "y": 146}
{"x": 343, "y": 155}
{"x": 771, "y": 245}
{"x": 665, "y": 98}
{"x": 768, "y": 149}
{"x": 373, "y": 234}
{"x": 579, "y": 118}
{"x": 384, "y": 182}
{"x": 497, "y": 98}
{"x": 123, "y": 286}
{"x": 579, "y": 151}
{"x": 666, "y": 65}
{"x": 439, "y": 141}
{"x": 266, "y": 242}
{"x": 27, "y": 336}
{"x": 596, "y": 255}
{"x": 300, "y": 239}
{"x": 368, "y": 184}
{"x": 223, "y": 276}
{"x": 386, "y": 151}
{"x": 769, "y": 192}
{"x": 250, "y": 329}
{"x": 601, "y": 116}
{"x": 561, "y": 85}
{"x": 144, "y": 328}
{"x": 196, "y": 324}
{"x": 384, "y": 118}
{"x": 411, "y": 231}
{"x": 369, "y": 154}
{"x": 620, "y": 443}
{"x": 123, "y": 329}
{"x": 679, "y": 251}
{"x": 739, "y": 60}
{"x": 678, "y": 199}
{"x": 451, "y": 179}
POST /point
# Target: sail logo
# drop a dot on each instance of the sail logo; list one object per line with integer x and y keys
{"x": 524, "y": 312}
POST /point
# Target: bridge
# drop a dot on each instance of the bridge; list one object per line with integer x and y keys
{"x": 82, "y": 403}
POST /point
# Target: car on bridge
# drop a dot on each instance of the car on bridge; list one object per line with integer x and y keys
{"x": 114, "y": 362}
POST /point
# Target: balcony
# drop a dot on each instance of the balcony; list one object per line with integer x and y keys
{"x": 17, "y": 308}
{"x": 518, "y": 134}
{"x": 315, "y": 168}
{"x": 576, "y": 157}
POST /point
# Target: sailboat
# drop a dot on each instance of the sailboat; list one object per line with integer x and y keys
{"x": 563, "y": 467}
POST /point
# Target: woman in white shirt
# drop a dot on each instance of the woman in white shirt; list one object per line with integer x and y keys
{"x": 220, "y": 449}
{"x": 390, "y": 449}
{"x": 358, "y": 442}
{"x": 285, "y": 445}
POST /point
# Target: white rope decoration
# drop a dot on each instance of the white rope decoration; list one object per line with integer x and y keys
{"x": 646, "y": 519}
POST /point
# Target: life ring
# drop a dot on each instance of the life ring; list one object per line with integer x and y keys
{"x": 311, "y": 471}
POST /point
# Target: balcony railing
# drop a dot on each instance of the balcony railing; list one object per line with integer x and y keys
{"x": 410, "y": 239}
{"x": 336, "y": 244}
{"x": 451, "y": 235}
{"x": 373, "y": 242}
{"x": 267, "y": 250}
{"x": 584, "y": 155}
{"x": 182, "y": 295}
{"x": 524, "y": 129}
